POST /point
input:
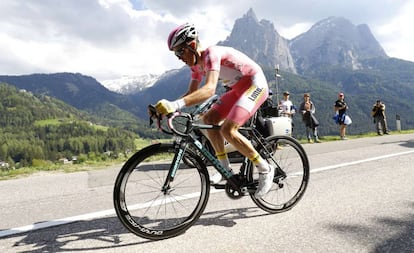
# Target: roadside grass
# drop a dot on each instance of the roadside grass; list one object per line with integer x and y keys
{"x": 357, "y": 136}
{"x": 139, "y": 143}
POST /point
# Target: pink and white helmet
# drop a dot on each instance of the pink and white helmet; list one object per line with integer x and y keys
{"x": 182, "y": 34}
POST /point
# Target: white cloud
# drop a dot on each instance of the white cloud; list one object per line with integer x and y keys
{"x": 110, "y": 38}
{"x": 396, "y": 35}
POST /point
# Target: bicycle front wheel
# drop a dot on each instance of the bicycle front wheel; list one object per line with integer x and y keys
{"x": 150, "y": 210}
{"x": 291, "y": 176}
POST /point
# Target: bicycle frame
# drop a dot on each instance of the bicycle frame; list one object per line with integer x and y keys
{"x": 187, "y": 139}
{"x": 190, "y": 140}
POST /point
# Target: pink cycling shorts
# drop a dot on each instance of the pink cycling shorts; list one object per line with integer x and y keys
{"x": 243, "y": 100}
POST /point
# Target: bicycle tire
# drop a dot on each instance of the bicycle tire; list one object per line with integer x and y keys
{"x": 292, "y": 159}
{"x": 147, "y": 211}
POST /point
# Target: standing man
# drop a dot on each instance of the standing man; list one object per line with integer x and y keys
{"x": 380, "y": 120}
{"x": 307, "y": 108}
{"x": 286, "y": 106}
{"x": 340, "y": 108}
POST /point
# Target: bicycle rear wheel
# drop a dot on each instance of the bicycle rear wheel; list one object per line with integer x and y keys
{"x": 147, "y": 210}
{"x": 290, "y": 185}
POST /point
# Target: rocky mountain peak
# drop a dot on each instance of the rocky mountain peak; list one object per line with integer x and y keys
{"x": 251, "y": 15}
{"x": 334, "y": 41}
{"x": 260, "y": 41}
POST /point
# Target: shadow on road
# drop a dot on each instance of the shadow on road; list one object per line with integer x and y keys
{"x": 407, "y": 143}
{"x": 402, "y": 229}
{"x": 82, "y": 235}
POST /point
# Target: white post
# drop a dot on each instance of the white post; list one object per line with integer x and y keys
{"x": 398, "y": 122}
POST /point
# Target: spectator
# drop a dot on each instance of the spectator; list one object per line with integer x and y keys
{"x": 269, "y": 108}
{"x": 307, "y": 108}
{"x": 340, "y": 108}
{"x": 380, "y": 120}
{"x": 286, "y": 107}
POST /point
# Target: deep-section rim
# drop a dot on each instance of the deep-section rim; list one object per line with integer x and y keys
{"x": 269, "y": 207}
{"x": 119, "y": 190}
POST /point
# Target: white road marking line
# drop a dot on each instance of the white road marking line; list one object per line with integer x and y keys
{"x": 83, "y": 217}
{"x": 360, "y": 161}
{"x": 111, "y": 212}
{"x": 58, "y": 222}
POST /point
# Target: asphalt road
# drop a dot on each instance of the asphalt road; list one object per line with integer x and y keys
{"x": 360, "y": 199}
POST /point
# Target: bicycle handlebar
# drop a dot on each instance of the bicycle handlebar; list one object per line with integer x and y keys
{"x": 188, "y": 117}
{"x": 152, "y": 112}
{"x": 176, "y": 120}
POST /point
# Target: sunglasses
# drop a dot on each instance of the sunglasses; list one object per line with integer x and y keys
{"x": 179, "y": 52}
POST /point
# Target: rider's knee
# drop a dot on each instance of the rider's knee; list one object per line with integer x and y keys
{"x": 228, "y": 130}
{"x": 211, "y": 118}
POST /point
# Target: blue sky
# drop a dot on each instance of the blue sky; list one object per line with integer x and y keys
{"x": 107, "y": 39}
{"x": 137, "y": 4}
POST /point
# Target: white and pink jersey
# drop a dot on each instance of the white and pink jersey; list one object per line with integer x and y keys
{"x": 248, "y": 84}
{"x": 231, "y": 64}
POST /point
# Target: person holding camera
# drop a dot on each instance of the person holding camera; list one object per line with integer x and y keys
{"x": 380, "y": 120}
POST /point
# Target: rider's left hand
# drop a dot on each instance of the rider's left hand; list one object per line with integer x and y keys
{"x": 165, "y": 107}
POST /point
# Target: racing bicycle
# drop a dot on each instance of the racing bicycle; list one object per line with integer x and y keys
{"x": 163, "y": 189}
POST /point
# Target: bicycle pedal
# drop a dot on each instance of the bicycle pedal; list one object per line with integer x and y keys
{"x": 219, "y": 186}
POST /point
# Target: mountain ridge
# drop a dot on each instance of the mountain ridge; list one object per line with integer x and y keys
{"x": 317, "y": 46}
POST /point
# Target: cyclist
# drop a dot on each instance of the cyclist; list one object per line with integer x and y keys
{"x": 248, "y": 89}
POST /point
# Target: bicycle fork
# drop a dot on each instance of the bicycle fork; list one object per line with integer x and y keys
{"x": 179, "y": 154}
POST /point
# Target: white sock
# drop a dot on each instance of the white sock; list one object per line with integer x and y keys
{"x": 224, "y": 160}
{"x": 261, "y": 164}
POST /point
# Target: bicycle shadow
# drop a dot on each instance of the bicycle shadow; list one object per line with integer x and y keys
{"x": 227, "y": 218}
{"x": 108, "y": 232}
{"x": 60, "y": 238}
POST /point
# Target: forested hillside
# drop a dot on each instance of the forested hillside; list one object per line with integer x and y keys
{"x": 38, "y": 128}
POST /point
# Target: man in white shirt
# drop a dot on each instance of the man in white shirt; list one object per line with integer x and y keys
{"x": 286, "y": 108}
